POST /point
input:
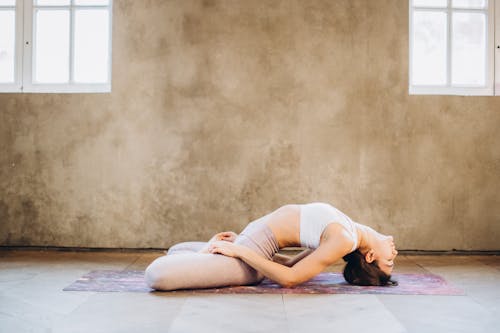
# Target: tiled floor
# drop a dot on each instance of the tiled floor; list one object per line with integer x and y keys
{"x": 32, "y": 300}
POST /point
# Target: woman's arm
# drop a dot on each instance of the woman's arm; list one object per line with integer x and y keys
{"x": 281, "y": 259}
{"x": 229, "y": 236}
{"x": 299, "y": 257}
{"x": 290, "y": 261}
{"x": 314, "y": 263}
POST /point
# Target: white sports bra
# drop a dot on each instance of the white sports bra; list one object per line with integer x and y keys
{"x": 315, "y": 217}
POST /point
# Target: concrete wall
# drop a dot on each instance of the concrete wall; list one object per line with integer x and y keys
{"x": 222, "y": 111}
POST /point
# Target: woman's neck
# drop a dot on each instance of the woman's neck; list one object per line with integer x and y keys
{"x": 366, "y": 237}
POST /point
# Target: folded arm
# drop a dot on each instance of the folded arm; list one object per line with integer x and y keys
{"x": 306, "y": 268}
{"x": 290, "y": 261}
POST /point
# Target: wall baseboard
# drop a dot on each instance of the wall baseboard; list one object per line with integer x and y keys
{"x": 77, "y": 249}
{"x": 288, "y": 249}
{"x": 450, "y": 252}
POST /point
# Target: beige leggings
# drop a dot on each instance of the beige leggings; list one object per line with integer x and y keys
{"x": 184, "y": 268}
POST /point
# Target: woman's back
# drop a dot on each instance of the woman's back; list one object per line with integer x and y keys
{"x": 302, "y": 225}
{"x": 285, "y": 224}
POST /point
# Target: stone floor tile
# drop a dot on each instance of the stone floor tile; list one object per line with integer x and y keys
{"x": 122, "y": 312}
{"x": 231, "y": 313}
{"x": 338, "y": 313}
{"x": 438, "y": 313}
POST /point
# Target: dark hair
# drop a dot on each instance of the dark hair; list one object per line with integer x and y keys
{"x": 359, "y": 272}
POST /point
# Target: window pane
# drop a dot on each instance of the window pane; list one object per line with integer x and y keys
{"x": 92, "y": 2}
{"x": 7, "y": 3}
{"x": 91, "y": 46}
{"x": 52, "y": 46}
{"x": 430, "y": 3}
{"x": 7, "y": 45}
{"x": 469, "y": 3}
{"x": 469, "y": 49}
{"x": 53, "y": 2}
{"x": 429, "y": 48}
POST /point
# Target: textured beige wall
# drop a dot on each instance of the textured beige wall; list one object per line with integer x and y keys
{"x": 222, "y": 111}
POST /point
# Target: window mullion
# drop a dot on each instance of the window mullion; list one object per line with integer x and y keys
{"x": 110, "y": 41}
{"x": 71, "y": 42}
{"x": 496, "y": 47}
{"x": 19, "y": 45}
{"x": 28, "y": 39}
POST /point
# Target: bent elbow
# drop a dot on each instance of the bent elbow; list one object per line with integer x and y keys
{"x": 288, "y": 283}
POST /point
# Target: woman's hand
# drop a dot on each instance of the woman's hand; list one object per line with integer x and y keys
{"x": 226, "y": 248}
{"x": 228, "y": 236}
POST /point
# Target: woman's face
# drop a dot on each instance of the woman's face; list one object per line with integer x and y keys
{"x": 385, "y": 253}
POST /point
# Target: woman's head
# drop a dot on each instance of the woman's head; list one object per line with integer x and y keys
{"x": 382, "y": 252}
{"x": 374, "y": 267}
{"x": 372, "y": 263}
{"x": 360, "y": 272}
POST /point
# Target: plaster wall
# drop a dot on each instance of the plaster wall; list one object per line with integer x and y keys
{"x": 222, "y": 111}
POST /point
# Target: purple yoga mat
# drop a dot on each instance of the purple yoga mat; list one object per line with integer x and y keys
{"x": 324, "y": 283}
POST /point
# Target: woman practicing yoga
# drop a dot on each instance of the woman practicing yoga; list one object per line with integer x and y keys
{"x": 229, "y": 259}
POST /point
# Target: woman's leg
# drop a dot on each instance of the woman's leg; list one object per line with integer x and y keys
{"x": 199, "y": 270}
{"x": 186, "y": 247}
{"x": 207, "y": 270}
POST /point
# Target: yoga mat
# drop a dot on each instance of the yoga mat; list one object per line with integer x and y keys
{"x": 324, "y": 283}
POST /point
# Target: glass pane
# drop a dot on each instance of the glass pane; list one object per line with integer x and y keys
{"x": 430, "y": 3}
{"x": 469, "y": 3}
{"x": 91, "y": 2}
{"x": 429, "y": 48}
{"x": 53, "y": 2}
{"x": 7, "y": 3}
{"x": 91, "y": 46}
{"x": 52, "y": 46}
{"x": 7, "y": 45}
{"x": 469, "y": 49}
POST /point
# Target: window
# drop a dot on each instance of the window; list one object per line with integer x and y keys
{"x": 452, "y": 47}
{"x": 55, "y": 45}
{"x": 9, "y": 46}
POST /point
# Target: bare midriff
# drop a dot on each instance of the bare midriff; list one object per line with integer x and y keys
{"x": 285, "y": 225}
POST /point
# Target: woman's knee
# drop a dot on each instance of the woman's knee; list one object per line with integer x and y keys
{"x": 152, "y": 275}
{"x": 160, "y": 274}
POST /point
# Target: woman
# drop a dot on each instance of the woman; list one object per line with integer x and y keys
{"x": 230, "y": 259}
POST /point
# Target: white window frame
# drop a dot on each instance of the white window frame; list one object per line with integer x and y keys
{"x": 24, "y": 61}
{"x": 497, "y": 48}
{"x": 18, "y": 57}
{"x": 492, "y": 85}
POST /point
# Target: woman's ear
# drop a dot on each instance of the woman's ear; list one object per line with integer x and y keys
{"x": 370, "y": 256}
